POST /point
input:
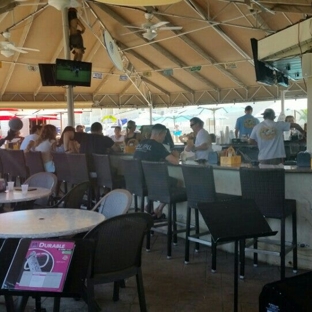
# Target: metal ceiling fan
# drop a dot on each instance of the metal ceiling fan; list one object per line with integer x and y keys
{"x": 150, "y": 30}
{"x": 8, "y": 48}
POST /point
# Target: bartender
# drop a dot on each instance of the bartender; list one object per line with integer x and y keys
{"x": 268, "y": 135}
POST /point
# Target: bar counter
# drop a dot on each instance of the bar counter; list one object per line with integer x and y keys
{"x": 298, "y": 186}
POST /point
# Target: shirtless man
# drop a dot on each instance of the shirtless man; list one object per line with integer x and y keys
{"x": 75, "y": 38}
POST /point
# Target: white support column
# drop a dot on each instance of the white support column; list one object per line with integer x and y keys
{"x": 309, "y": 117}
{"x": 69, "y": 90}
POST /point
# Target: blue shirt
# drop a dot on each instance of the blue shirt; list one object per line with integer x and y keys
{"x": 245, "y": 124}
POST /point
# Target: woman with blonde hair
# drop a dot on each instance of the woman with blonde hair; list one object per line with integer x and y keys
{"x": 46, "y": 144}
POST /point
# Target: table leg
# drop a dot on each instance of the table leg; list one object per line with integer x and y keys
{"x": 236, "y": 276}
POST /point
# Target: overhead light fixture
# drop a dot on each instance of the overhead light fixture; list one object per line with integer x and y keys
{"x": 139, "y": 2}
{"x": 149, "y": 35}
{"x": 7, "y": 53}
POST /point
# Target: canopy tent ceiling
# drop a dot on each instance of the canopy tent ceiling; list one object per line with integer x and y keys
{"x": 208, "y": 61}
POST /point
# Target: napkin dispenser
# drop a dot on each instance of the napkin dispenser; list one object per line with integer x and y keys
{"x": 304, "y": 159}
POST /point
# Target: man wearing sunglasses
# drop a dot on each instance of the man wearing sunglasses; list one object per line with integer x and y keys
{"x": 202, "y": 145}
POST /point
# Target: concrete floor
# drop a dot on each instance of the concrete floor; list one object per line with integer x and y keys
{"x": 170, "y": 285}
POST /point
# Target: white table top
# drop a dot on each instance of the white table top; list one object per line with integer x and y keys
{"x": 49, "y": 222}
{"x": 16, "y": 196}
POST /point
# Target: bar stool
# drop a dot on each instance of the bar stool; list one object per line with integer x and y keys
{"x": 159, "y": 188}
{"x": 135, "y": 182}
{"x": 267, "y": 188}
{"x": 200, "y": 187}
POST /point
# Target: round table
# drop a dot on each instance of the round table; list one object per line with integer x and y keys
{"x": 16, "y": 195}
{"x": 48, "y": 222}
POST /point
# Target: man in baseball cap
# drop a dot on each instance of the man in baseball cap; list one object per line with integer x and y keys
{"x": 268, "y": 135}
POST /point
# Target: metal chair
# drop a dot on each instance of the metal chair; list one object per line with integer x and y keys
{"x": 200, "y": 187}
{"x": 114, "y": 203}
{"x": 14, "y": 164}
{"x": 105, "y": 176}
{"x": 34, "y": 162}
{"x": 267, "y": 188}
{"x": 43, "y": 179}
{"x": 75, "y": 198}
{"x": 121, "y": 239}
{"x": 135, "y": 182}
{"x": 160, "y": 189}
{"x": 62, "y": 170}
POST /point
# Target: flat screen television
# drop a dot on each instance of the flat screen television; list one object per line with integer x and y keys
{"x": 73, "y": 73}
{"x": 264, "y": 74}
{"x": 47, "y": 74}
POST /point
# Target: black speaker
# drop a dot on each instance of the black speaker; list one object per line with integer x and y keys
{"x": 293, "y": 294}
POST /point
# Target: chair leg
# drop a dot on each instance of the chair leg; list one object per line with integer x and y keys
{"x": 90, "y": 296}
{"x": 148, "y": 234}
{"x": 141, "y": 293}
{"x": 135, "y": 203}
{"x": 142, "y": 203}
{"x": 294, "y": 242}
{"x": 174, "y": 224}
{"x": 169, "y": 231}
{"x": 197, "y": 228}
{"x": 242, "y": 245}
{"x": 187, "y": 234}
{"x": 116, "y": 291}
{"x": 282, "y": 252}
{"x": 255, "y": 253}
{"x": 57, "y": 304}
{"x": 214, "y": 256}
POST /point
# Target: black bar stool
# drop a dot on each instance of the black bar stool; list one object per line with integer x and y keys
{"x": 267, "y": 188}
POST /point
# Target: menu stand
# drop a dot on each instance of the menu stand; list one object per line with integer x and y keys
{"x": 233, "y": 221}
{"x": 74, "y": 283}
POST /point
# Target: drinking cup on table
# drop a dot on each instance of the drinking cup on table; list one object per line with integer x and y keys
{"x": 24, "y": 189}
{"x": 11, "y": 186}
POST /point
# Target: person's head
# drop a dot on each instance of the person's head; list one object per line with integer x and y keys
{"x": 117, "y": 130}
{"x": 79, "y": 128}
{"x": 159, "y": 132}
{"x": 248, "y": 109}
{"x": 72, "y": 13}
{"x": 35, "y": 129}
{"x": 97, "y": 128}
{"x": 48, "y": 132}
{"x": 269, "y": 114}
{"x": 131, "y": 126}
{"x": 290, "y": 119}
{"x": 66, "y": 129}
{"x": 196, "y": 124}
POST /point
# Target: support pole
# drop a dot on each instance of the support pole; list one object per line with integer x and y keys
{"x": 69, "y": 89}
{"x": 309, "y": 116}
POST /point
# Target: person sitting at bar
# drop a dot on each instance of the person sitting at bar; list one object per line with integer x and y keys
{"x": 80, "y": 128}
{"x": 131, "y": 132}
{"x": 73, "y": 145}
{"x": 33, "y": 136}
{"x": 268, "y": 135}
{"x": 118, "y": 138}
{"x": 46, "y": 143}
{"x": 153, "y": 150}
{"x": 202, "y": 145}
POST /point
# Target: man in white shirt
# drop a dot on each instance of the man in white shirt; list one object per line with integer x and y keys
{"x": 268, "y": 135}
{"x": 118, "y": 137}
{"x": 35, "y": 130}
{"x": 202, "y": 145}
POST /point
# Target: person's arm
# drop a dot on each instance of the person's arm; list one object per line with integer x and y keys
{"x": 201, "y": 147}
{"x": 29, "y": 146}
{"x": 236, "y": 133}
{"x": 116, "y": 147}
{"x": 252, "y": 142}
{"x": 173, "y": 158}
{"x": 81, "y": 26}
{"x": 297, "y": 127}
{"x": 68, "y": 136}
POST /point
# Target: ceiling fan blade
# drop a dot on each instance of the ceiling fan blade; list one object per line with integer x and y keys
{"x": 159, "y": 24}
{"x": 170, "y": 28}
{"x": 129, "y": 26}
{"x": 10, "y": 46}
{"x": 28, "y": 49}
{"x": 132, "y": 32}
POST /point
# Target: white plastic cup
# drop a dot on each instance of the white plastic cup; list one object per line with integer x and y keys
{"x": 24, "y": 189}
{"x": 11, "y": 186}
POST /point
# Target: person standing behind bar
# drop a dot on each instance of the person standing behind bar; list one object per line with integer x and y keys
{"x": 268, "y": 135}
{"x": 245, "y": 124}
{"x": 202, "y": 145}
